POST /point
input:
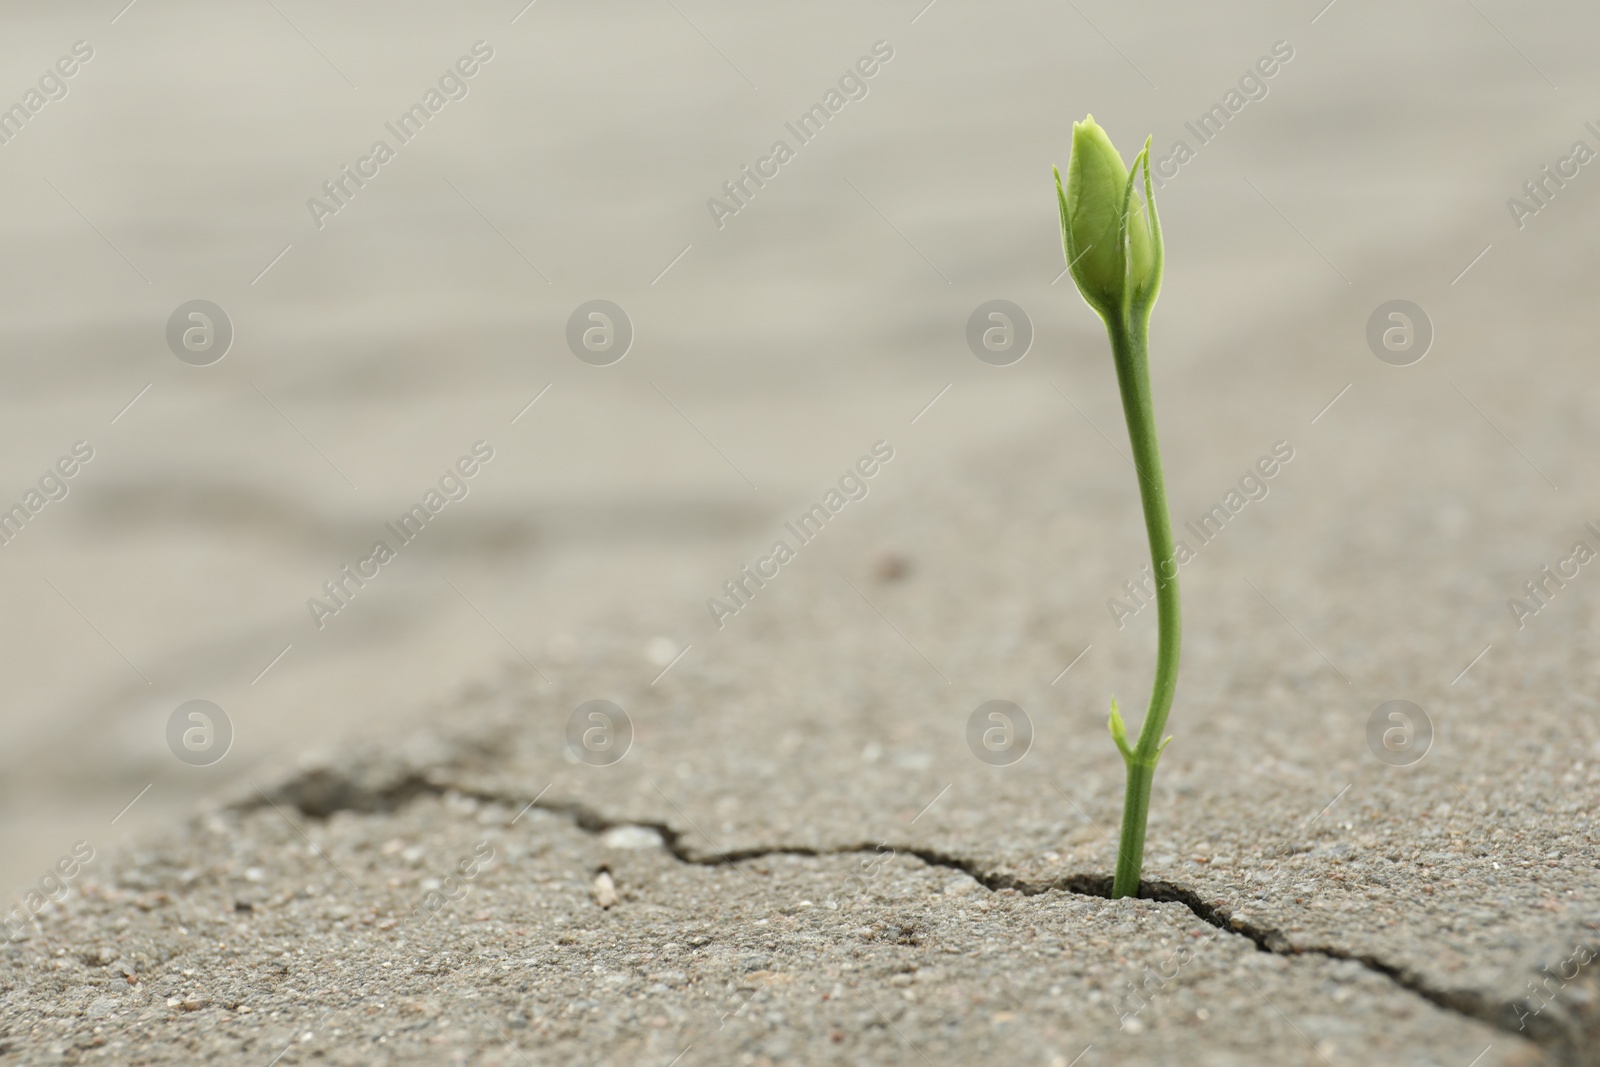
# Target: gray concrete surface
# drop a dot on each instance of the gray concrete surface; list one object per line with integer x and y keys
{"x": 457, "y": 932}
{"x": 805, "y": 329}
{"x": 1352, "y": 910}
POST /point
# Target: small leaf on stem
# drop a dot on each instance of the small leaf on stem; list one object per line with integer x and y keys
{"x": 1119, "y": 732}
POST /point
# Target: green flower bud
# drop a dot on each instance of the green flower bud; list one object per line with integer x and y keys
{"x": 1113, "y": 245}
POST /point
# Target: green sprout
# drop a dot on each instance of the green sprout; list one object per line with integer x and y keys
{"x": 1114, "y": 251}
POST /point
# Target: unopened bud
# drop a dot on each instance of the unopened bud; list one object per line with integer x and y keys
{"x": 1113, "y": 244}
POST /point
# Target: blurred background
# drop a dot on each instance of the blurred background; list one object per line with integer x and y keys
{"x": 373, "y": 345}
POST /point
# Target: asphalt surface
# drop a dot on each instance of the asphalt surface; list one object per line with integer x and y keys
{"x": 797, "y": 831}
{"x": 457, "y": 931}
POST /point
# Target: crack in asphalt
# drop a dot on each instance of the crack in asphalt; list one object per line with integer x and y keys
{"x": 1571, "y": 1042}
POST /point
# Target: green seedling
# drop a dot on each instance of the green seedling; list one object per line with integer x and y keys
{"x": 1113, "y": 246}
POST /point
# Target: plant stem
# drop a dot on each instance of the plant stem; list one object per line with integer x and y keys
{"x": 1130, "y": 336}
